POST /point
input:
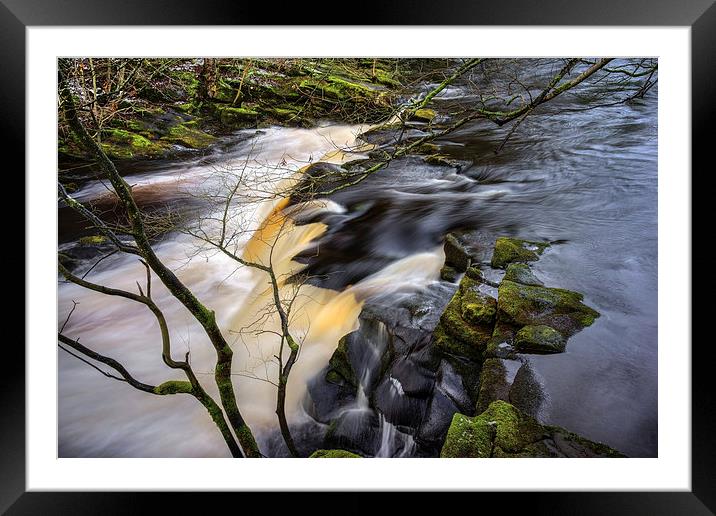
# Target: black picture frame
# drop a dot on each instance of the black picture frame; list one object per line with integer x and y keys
{"x": 700, "y": 15}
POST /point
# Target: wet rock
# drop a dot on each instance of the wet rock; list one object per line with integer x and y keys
{"x": 456, "y": 254}
{"x": 539, "y": 339}
{"x": 504, "y": 431}
{"x": 436, "y": 422}
{"x": 333, "y": 454}
{"x": 325, "y": 399}
{"x": 509, "y": 250}
{"x": 466, "y": 324}
{"x": 398, "y": 409}
{"x": 448, "y": 273}
{"x": 356, "y": 430}
{"x": 524, "y": 305}
{"x": 408, "y": 378}
{"x": 340, "y": 370}
{"x": 521, "y": 273}
{"x": 496, "y": 380}
{"x": 423, "y": 115}
{"x": 526, "y": 392}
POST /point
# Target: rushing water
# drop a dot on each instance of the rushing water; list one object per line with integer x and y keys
{"x": 585, "y": 179}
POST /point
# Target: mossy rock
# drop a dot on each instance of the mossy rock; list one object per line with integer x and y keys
{"x": 123, "y": 144}
{"x": 236, "y": 117}
{"x": 539, "y": 338}
{"x": 441, "y": 160}
{"x": 423, "y": 115}
{"x": 340, "y": 371}
{"x": 466, "y": 324}
{"x": 524, "y": 305}
{"x": 500, "y": 343}
{"x": 456, "y": 254}
{"x": 448, "y": 273}
{"x": 504, "y": 431}
{"x": 494, "y": 384}
{"x": 509, "y": 250}
{"x": 521, "y": 273}
{"x": 333, "y": 454}
{"x": 188, "y": 136}
{"x": 501, "y": 427}
{"x": 386, "y": 78}
{"x": 93, "y": 240}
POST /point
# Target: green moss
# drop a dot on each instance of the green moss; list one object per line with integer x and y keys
{"x": 424, "y": 115}
{"x": 476, "y": 307}
{"x": 237, "y": 117}
{"x": 493, "y": 383}
{"x": 386, "y": 78}
{"x": 500, "y": 428}
{"x": 340, "y": 368}
{"x": 173, "y": 387}
{"x": 522, "y": 305}
{"x": 466, "y": 324}
{"x": 93, "y": 240}
{"x": 539, "y": 339}
{"x": 448, "y": 273}
{"x": 521, "y": 273}
{"x": 188, "y": 136}
{"x": 333, "y": 454}
{"x": 123, "y": 144}
{"x": 467, "y": 438}
{"x": 508, "y": 250}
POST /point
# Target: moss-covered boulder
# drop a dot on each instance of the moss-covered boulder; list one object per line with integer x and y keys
{"x": 448, "y": 273}
{"x": 504, "y": 431}
{"x": 509, "y": 250}
{"x": 236, "y": 117}
{"x": 526, "y": 305}
{"x": 494, "y": 383}
{"x": 333, "y": 454}
{"x": 539, "y": 338}
{"x": 340, "y": 371}
{"x": 456, "y": 254}
{"x": 521, "y": 273}
{"x": 124, "y": 144}
{"x": 188, "y": 135}
{"x": 423, "y": 115}
{"x": 466, "y": 324}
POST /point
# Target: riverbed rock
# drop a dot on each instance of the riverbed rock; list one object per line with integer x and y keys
{"x": 509, "y": 250}
{"x": 504, "y": 431}
{"x": 539, "y": 338}
{"x": 496, "y": 379}
{"x": 333, "y": 454}
{"x": 456, "y": 254}
{"x": 340, "y": 370}
{"x": 423, "y": 115}
{"x": 448, "y": 273}
{"x": 527, "y": 305}
{"x": 521, "y": 273}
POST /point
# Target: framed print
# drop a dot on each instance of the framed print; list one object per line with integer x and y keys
{"x": 449, "y": 243}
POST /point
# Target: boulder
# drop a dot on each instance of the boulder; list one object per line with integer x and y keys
{"x": 539, "y": 338}
{"x": 521, "y": 273}
{"x": 333, "y": 454}
{"x": 526, "y": 305}
{"x": 456, "y": 254}
{"x": 509, "y": 250}
{"x": 340, "y": 370}
{"x": 504, "y": 431}
{"x": 423, "y": 115}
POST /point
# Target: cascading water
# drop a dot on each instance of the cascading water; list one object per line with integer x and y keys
{"x": 124, "y": 422}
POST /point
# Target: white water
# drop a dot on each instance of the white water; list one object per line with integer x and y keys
{"x": 102, "y": 417}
